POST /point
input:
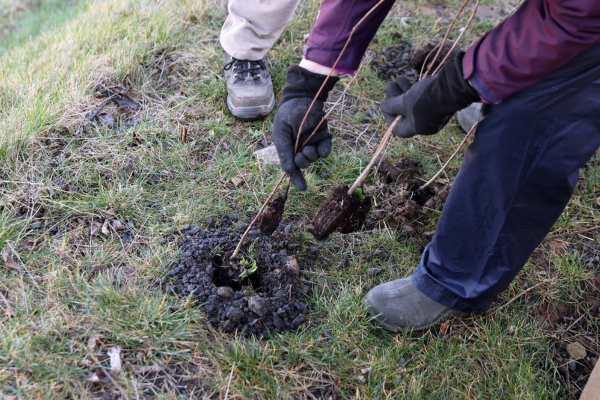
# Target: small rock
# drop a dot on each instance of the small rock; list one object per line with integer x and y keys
{"x": 299, "y": 320}
{"x": 542, "y": 273}
{"x": 382, "y": 254}
{"x": 210, "y": 221}
{"x": 572, "y": 364}
{"x": 374, "y": 271}
{"x": 278, "y": 322}
{"x": 233, "y": 216}
{"x": 345, "y": 261}
{"x": 193, "y": 231}
{"x": 225, "y": 291}
{"x": 361, "y": 378}
{"x": 259, "y": 306}
{"x": 576, "y": 350}
{"x": 268, "y": 155}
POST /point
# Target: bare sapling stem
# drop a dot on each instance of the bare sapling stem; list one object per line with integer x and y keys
{"x": 239, "y": 246}
{"x": 332, "y": 68}
{"x": 332, "y": 107}
{"x": 445, "y": 38}
{"x": 363, "y": 176}
{"x": 452, "y": 156}
{"x": 458, "y": 39}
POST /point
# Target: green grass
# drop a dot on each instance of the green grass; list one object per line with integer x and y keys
{"x": 55, "y": 176}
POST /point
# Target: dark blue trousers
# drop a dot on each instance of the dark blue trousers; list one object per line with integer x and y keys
{"x": 515, "y": 180}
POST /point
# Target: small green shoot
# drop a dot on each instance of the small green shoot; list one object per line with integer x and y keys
{"x": 250, "y": 271}
{"x": 359, "y": 193}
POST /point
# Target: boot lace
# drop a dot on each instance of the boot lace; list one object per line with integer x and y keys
{"x": 245, "y": 68}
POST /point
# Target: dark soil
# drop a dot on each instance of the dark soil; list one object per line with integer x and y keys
{"x": 270, "y": 219}
{"x": 575, "y": 324}
{"x": 236, "y": 299}
{"x": 402, "y": 59}
{"x": 340, "y": 212}
{"x": 401, "y": 203}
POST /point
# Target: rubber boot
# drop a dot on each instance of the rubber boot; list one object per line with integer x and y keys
{"x": 398, "y": 305}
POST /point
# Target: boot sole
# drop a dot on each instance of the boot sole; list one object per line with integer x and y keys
{"x": 396, "y": 329}
{"x": 251, "y": 113}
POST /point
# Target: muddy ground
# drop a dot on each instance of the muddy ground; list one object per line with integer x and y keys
{"x": 404, "y": 59}
{"x": 258, "y": 292}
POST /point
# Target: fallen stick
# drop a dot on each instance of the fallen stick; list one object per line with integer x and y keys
{"x": 523, "y": 293}
{"x": 572, "y": 233}
{"x": 451, "y": 157}
{"x": 107, "y": 373}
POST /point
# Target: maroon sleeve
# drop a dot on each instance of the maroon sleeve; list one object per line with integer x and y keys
{"x": 540, "y": 37}
{"x": 332, "y": 28}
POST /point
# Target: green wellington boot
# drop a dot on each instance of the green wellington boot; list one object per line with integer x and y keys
{"x": 398, "y": 305}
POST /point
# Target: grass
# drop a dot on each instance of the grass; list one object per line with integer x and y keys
{"x": 56, "y": 174}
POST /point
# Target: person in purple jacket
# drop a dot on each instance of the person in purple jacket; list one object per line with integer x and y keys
{"x": 538, "y": 73}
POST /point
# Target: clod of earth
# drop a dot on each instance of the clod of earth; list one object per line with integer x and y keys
{"x": 236, "y": 299}
{"x": 269, "y": 220}
{"x": 340, "y": 212}
{"x": 402, "y": 59}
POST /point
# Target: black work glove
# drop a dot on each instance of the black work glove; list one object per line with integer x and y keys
{"x": 428, "y": 105}
{"x": 299, "y": 91}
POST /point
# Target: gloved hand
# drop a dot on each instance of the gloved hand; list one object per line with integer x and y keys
{"x": 427, "y": 106}
{"x": 299, "y": 91}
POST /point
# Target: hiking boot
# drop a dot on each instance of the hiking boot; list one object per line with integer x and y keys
{"x": 398, "y": 305}
{"x": 249, "y": 88}
{"x": 467, "y": 116}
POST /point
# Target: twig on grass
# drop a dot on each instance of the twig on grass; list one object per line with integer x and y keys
{"x": 522, "y": 294}
{"x": 239, "y": 246}
{"x": 560, "y": 235}
{"x": 107, "y": 373}
{"x": 229, "y": 383}
{"x": 451, "y": 157}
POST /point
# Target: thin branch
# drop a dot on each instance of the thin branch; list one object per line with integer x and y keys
{"x": 239, "y": 246}
{"x": 425, "y": 62}
{"x": 363, "y": 176}
{"x": 560, "y": 235}
{"x": 332, "y": 107}
{"x": 107, "y": 373}
{"x": 445, "y": 38}
{"x": 523, "y": 293}
{"x": 229, "y": 383}
{"x": 332, "y": 69}
{"x": 452, "y": 156}
{"x": 458, "y": 39}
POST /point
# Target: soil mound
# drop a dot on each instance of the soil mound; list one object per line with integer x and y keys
{"x": 403, "y": 59}
{"x": 256, "y": 293}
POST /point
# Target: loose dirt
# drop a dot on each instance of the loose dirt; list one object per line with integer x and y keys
{"x": 403, "y": 59}
{"x": 573, "y": 326}
{"x": 258, "y": 292}
{"x": 401, "y": 204}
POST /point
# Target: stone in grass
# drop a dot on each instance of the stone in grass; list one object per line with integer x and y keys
{"x": 374, "y": 271}
{"x": 225, "y": 291}
{"x": 259, "y": 306}
{"x": 268, "y": 155}
{"x": 576, "y": 350}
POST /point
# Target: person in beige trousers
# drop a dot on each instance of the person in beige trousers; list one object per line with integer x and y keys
{"x": 249, "y": 32}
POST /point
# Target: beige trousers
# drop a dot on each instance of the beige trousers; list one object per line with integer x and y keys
{"x": 253, "y": 26}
